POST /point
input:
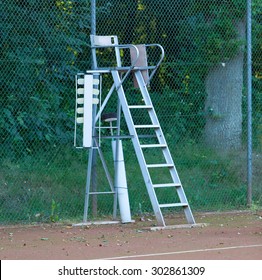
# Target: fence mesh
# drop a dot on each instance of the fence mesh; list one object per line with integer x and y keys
{"x": 199, "y": 94}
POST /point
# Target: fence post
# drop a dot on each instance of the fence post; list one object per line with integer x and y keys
{"x": 249, "y": 103}
{"x": 93, "y": 17}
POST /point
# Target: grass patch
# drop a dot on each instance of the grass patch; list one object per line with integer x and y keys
{"x": 50, "y": 185}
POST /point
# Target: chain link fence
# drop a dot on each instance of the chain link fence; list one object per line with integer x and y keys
{"x": 199, "y": 94}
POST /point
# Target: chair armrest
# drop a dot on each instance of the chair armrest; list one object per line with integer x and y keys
{"x": 160, "y": 60}
{"x": 128, "y": 46}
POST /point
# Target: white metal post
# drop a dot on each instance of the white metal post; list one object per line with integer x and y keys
{"x": 120, "y": 181}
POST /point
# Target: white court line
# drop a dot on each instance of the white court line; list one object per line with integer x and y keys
{"x": 183, "y": 252}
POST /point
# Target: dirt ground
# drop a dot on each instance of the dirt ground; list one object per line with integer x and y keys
{"x": 235, "y": 235}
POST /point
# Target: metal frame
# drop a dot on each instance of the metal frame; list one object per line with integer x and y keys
{"x": 112, "y": 42}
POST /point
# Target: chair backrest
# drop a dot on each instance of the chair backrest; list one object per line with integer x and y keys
{"x": 140, "y": 62}
{"x": 105, "y": 41}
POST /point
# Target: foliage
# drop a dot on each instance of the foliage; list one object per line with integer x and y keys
{"x": 54, "y": 217}
{"x": 257, "y": 72}
{"x": 38, "y": 57}
{"x": 47, "y": 46}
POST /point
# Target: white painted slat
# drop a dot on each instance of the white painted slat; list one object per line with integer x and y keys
{"x": 80, "y": 120}
{"x": 80, "y": 81}
{"x": 80, "y": 100}
{"x": 96, "y": 91}
{"x": 80, "y": 110}
{"x": 96, "y": 81}
{"x": 95, "y": 100}
{"x": 80, "y": 91}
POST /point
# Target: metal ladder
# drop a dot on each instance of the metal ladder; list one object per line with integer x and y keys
{"x": 162, "y": 144}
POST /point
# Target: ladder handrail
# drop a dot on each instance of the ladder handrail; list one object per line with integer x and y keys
{"x": 158, "y": 63}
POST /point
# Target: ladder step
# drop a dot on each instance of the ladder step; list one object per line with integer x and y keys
{"x": 147, "y": 126}
{"x": 140, "y": 107}
{"x": 166, "y": 185}
{"x": 160, "y": 165}
{"x": 153, "y": 146}
{"x": 101, "y": 192}
{"x": 173, "y": 205}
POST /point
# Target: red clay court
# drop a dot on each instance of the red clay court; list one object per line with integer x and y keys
{"x": 227, "y": 236}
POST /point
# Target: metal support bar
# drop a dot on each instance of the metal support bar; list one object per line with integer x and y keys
{"x": 88, "y": 183}
{"x": 117, "y": 154}
{"x": 249, "y": 103}
{"x": 109, "y": 179}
